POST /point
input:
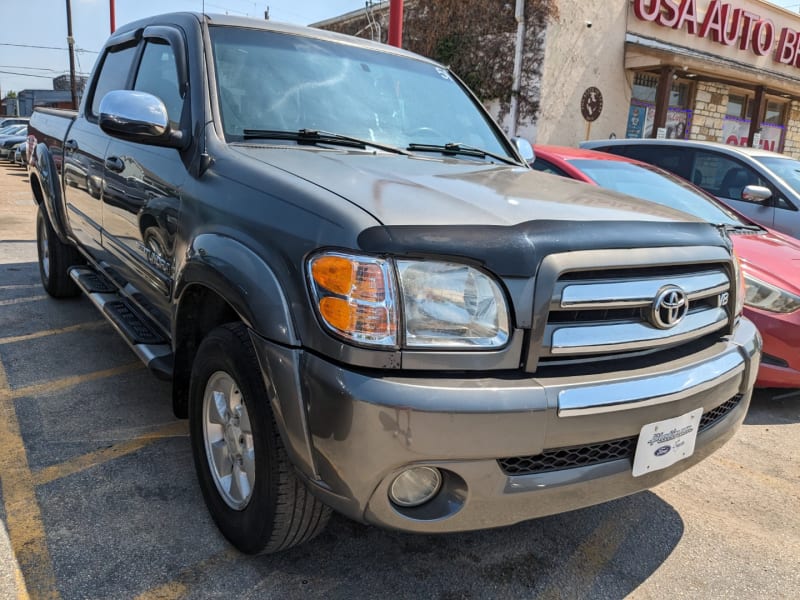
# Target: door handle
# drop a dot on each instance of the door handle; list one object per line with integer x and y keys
{"x": 70, "y": 145}
{"x": 115, "y": 164}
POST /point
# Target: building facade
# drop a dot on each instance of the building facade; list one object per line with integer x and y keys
{"x": 726, "y": 71}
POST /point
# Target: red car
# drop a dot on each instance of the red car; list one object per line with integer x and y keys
{"x": 770, "y": 260}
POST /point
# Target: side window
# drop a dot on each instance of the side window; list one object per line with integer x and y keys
{"x": 673, "y": 159}
{"x": 113, "y": 74}
{"x": 547, "y": 167}
{"x": 158, "y": 75}
{"x": 724, "y": 176}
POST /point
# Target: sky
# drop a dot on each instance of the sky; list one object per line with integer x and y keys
{"x": 26, "y": 23}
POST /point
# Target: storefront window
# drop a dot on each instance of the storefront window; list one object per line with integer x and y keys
{"x": 642, "y": 110}
{"x": 774, "y": 113}
{"x": 736, "y": 106}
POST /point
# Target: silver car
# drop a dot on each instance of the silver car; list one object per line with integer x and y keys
{"x": 763, "y": 185}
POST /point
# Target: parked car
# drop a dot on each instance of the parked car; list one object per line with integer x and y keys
{"x": 764, "y": 186}
{"x": 365, "y": 298}
{"x": 5, "y": 121}
{"x": 13, "y": 129}
{"x": 8, "y": 143}
{"x": 20, "y": 154}
{"x": 770, "y": 259}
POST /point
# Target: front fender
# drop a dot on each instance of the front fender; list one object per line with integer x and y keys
{"x": 245, "y": 281}
{"x": 45, "y": 171}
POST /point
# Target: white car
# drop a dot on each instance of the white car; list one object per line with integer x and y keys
{"x": 735, "y": 174}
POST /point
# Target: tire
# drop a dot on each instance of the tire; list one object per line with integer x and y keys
{"x": 55, "y": 259}
{"x": 249, "y": 485}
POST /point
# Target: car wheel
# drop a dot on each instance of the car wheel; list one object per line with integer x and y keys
{"x": 249, "y": 485}
{"x": 55, "y": 259}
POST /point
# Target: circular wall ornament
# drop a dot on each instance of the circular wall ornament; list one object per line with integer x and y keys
{"x": 591, "y": 103}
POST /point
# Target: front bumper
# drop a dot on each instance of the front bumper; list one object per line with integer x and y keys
{"x": 359, "y": 430}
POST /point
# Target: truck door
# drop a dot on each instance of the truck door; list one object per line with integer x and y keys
{"x": 141, "y": 199}
{"x": 85, "y": 148}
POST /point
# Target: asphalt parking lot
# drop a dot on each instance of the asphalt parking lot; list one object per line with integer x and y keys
{"x": 99, "y": 497}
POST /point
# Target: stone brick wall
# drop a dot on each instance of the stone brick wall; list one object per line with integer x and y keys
{"x": 710, "y": 105}
{"x": 791, "y": 145}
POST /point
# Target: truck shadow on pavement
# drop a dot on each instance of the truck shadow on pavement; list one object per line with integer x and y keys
{"x": 601, "y": 551}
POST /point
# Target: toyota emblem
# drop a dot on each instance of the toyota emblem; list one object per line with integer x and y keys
{"x": 669, "y": 307}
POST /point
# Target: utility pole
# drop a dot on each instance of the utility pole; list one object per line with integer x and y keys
{"x": 112, "y": 16}
{"x": 396, "y": 23}
{"x": 71, "y": 44}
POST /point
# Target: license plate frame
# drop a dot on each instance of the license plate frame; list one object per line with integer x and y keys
{"x": 663, "y": 443}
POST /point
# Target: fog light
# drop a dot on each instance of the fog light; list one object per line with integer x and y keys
{"x": 415, "y": 486}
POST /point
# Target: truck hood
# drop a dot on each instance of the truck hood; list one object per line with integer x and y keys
{"x": 417, "y": 190}
{"x": 506, "y": 218}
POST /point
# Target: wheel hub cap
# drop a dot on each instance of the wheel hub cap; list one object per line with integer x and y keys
{"x": 228, "y": 440}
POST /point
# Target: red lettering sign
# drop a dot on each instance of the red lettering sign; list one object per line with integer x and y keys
{"x": 688, "y": 16}
{"x": 713, "y": 22}
{"x": 763, "y": 37}
{"x": 646, "y": 11}
{"x": 724, "y": 25}
{"x": 668, "y": 16}
{"x": 787, "y": 47}
{"x": 730, "y": 33}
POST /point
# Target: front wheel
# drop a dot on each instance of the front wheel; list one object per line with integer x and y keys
{"x": 55, "y": 259}
{"x": 247, "y": 480}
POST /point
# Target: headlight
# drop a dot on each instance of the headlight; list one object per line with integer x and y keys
{"x": 762, "y": 295}
{"x": 738, "y": 275}
{"x": 451, "y": 305}
{"x": 444, "y": 305}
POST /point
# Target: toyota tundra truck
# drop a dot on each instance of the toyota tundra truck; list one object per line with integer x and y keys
{"x": 365, "y": 299}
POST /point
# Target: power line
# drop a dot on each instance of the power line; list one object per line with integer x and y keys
{"x": 46, "y": 47}
{"x": 30, "y": 68}
{"x": 27, "y": 75}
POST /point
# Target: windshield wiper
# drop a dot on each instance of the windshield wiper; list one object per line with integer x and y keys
{"x": 314, "y": 136}
{"x": 730, "y": 227}
{"x": 454, "y": 148}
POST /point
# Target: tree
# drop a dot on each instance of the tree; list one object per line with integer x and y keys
{"x": 11, "y": 94}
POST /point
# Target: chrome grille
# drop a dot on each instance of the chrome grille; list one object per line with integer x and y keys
{"x": 596, "y": 314}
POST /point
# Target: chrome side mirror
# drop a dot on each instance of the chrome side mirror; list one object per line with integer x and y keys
{"x": 137, "y": 117}
{"x": 756, "y": 193}
{"x": 524, "y": 149}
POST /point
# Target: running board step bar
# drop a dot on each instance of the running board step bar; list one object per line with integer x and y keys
{"x": 138, "y": 331}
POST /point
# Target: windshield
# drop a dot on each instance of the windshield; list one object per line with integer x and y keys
{"x": 651, "y": 183}
{"x": 787, "y": 169}
{"x": 276, "y": 81}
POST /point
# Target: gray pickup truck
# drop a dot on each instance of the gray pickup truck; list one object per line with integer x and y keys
{"x": 365, "y": 299}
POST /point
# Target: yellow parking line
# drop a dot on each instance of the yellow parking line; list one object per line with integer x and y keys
{"x": 22, "y": 300}
{"x": 38, "y": 389}
{"x": 179, "y": 587}
{"x": 23, "y": 516}
{"x": 46, "y": 332}
{"x": 86, "y": 461}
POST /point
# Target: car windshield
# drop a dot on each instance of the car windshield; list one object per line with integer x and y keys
{"x": 277, "y": 82}
{"x": 651, "y": 183}
{"x": 787, "y": 169}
